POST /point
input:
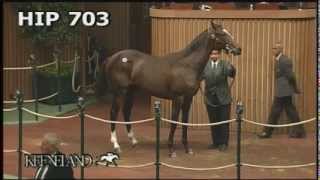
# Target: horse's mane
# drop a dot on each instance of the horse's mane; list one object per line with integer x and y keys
{"x": 195, "y": 43}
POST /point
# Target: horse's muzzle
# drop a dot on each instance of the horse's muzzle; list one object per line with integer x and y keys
{"x": 236, "y": 51}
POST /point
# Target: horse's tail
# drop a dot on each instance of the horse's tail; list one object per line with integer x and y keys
{"x": 102, "y": 83}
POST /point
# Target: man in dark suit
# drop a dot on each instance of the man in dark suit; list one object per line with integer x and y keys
{"x": 285, "y": 87}
{"x": 50, "y": 145}
{"x": 218, "y": 98}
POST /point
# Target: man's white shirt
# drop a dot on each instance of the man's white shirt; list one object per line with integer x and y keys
{"x": 278, "y": 57}
{"x": 214, "y": 64}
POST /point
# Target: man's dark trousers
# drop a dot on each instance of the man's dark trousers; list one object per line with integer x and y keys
{"x": 219, "y": 133}
{"x": 280, "y": 103}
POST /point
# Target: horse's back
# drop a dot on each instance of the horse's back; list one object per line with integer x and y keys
{"x": 125, "y": 56}
{"x": 150, "y": 73}
{"x": 131, "y": 53}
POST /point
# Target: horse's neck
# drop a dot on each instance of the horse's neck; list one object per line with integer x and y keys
{"x": 198, "y": 58}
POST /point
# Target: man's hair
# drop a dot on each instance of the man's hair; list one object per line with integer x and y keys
{"x": 219, "y": 50}
{"x": 52, "y": 139}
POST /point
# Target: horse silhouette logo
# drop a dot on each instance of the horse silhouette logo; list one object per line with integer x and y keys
{"x": 108, "y": 158}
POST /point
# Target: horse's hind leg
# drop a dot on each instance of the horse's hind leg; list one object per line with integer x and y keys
{"x": 185, "y": 118}
{"x": 127, "y": 107}
{"x": 114, "y": 114}
{"x": 176, "y": 105}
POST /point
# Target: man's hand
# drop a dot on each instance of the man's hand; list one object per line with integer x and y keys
{"x": 297, "y": 91}
{"x": 201, "y": 90}
{"x": 231, "y": 70}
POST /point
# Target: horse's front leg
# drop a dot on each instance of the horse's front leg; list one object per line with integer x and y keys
{"x": 176, "y": 104}
{"x": 185, "y": 118}
{"x": 114, "y": 114}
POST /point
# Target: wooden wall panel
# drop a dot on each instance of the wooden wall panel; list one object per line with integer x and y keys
{"x": 254, "y": 82}
{"x": 13, "y": 56}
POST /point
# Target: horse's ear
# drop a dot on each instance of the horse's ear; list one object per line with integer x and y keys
{"x": 219, "y": 25}
{"x": 212, "y": 27}
{"x": 212, "y": 24}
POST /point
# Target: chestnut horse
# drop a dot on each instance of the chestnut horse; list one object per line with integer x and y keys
{"x": 175, "y": 76}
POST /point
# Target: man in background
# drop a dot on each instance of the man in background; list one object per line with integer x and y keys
{"x": 285, "y": 87}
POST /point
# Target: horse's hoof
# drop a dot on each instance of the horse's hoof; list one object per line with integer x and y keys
{"x": 134, "y": 143}
{"x": 189, "y": 151}
{"x": 173, "y": 155}
{"x": 117, "y": 150}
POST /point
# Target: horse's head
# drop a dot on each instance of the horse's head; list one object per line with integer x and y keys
{"x": 222, "y": 39}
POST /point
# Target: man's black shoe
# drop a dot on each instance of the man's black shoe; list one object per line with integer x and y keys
{"x": 264, "y": 135}
{"x": 299, "y": 135}
{"x": 223, "y": 147}
{"x": 213, "y": 146}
